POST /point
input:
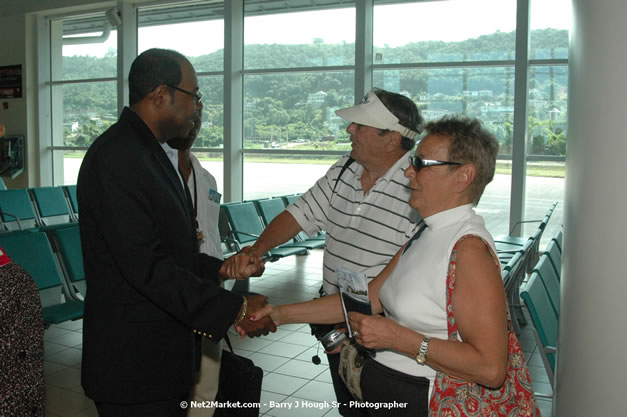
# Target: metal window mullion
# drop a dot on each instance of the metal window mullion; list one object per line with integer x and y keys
{"x": 233, "y": 100}
{"x": 519, "y": 140}
{"x": 127, "y": 50}
{"x": 548, "y": 62}
{"x": 81, "y": 81}
{"x": 292, "y": 152}
{"x": 263, "y": 71}
{"x": 44, "y": 108}
{"x": 438, "y": 65}
{"x": 55, "y": 159}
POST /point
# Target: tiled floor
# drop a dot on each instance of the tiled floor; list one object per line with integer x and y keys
{"x": 292, "y": 384}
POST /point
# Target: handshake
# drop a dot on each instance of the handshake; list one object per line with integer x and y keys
{"x": 246, "y": 322}
{"x": 245, "y": 264}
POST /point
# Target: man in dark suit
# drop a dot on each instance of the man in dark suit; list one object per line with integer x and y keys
{"x": 151, "y": 294}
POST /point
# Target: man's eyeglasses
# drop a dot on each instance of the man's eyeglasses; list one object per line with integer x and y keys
{"x": 418, "y": 163}
{"x": 196, "y": 96}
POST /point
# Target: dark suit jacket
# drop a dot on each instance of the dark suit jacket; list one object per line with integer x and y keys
{"x": 148, "y": 287}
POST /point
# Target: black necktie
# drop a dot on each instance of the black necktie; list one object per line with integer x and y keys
{"x": 415, "y": 236}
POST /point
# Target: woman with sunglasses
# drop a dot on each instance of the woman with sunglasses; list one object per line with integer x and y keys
{"x": 451, "y": 251}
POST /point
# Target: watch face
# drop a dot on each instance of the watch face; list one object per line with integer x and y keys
{"x": 421, "y": 358}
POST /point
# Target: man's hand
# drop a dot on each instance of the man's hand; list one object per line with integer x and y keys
{"x": 261, "y": 326}
{"x": 241, "y": 266}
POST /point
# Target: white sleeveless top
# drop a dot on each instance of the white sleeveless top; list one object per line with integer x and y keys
{"x": 414, "y": 294}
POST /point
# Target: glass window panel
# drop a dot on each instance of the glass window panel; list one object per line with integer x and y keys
{"x": 201, "y": 42}
{"x": 417, "y": 32}
{"x": 297, "y": 111}
{"x": 297, "y": 174}
{"x": 211, "y": 133}
{"x": 88, "y": 110}
{"x": 90, "y": 60}
{"x": 549, "y": 25}
{"x": 302, "y": 39}
{"x": 495, "y": 201}
{"x": 547, "y": 132}
{"x": 72, "y": 161}
{"x": 486, "y": 93}
{"x": 548, "y": 110}
{"x": 214, "y": 163}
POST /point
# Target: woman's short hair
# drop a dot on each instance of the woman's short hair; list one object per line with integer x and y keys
{"x": 406, "y": 111}
{"x": 471, "y": 143}
{"x": 151, "y": 69}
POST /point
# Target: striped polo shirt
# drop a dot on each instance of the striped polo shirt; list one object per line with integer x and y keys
{"x": 363, "y": 232}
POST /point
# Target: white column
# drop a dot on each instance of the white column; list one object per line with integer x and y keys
{"x": 591, "y": 365}
{"x": 233, "y": 100}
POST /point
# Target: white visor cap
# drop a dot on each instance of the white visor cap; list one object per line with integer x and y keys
{"x": 371, "y": 112}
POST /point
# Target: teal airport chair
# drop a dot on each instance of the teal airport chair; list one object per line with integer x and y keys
{"x": 67, "y": 241}
{"x": 70, "y": 194}
{"x": 545, "y": 321}
{"x": 550, "y": 280}
{"x": 51, "y": 206}
{"x": 246, "y": 226}
{"x": 289, "y": 199}
{"x": 17, "y": 211}
{"x": 504, "y": 241}
{"x": 32, "y": 251}
{"x": 270, "y": 208}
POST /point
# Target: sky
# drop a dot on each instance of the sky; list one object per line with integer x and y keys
{"x": 452, "y": 20}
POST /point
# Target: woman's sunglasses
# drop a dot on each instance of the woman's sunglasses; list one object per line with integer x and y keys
{"x": 418, "y": 163}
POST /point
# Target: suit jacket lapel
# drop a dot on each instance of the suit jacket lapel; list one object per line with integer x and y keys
{"x": 174, "y": 180}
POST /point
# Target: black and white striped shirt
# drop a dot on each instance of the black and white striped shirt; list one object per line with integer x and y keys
{"x": 363, "y": 232}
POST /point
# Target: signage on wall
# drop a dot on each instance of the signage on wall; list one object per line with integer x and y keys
{"x": 10, "y": 81}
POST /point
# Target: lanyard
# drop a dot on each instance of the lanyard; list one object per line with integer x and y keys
{"x": 199, "y": 233}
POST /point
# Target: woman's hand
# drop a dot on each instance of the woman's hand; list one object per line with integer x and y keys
{"x": 374, "y": 332}
{"x": 269, "y": 310}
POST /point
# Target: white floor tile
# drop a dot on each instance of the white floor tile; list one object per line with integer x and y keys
{"x": 67, "y": 378}
{"x": 316, "y": 391}
{"x": 282, "y": 384}
{"x": 69, "y": 339}
{"x": 67, "y": 357}
{"x": 298, "y": 338}
{"x": 301, "y": 369}
{"x": 269, "y": 400}
{"x": 287, "y": 350}
{"x": 267, "y": 362}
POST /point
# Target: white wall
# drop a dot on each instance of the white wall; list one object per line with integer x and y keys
{"x": 591, "y": 364}
{"x": 13, "y": 52}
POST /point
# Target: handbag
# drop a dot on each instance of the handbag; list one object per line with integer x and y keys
{"x": 455, "y": 397}
{"x": 352, "y": 360}
{"x": 239, "y": 381}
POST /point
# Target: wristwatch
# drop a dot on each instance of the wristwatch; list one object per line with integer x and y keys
{"x": 421, "y": 356}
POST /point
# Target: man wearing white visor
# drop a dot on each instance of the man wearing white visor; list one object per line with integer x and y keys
{"x": 361, "y": 203}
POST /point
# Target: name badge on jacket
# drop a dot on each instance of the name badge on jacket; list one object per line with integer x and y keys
{"x": 215, "y": 196}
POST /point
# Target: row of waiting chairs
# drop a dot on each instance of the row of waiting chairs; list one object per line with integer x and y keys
{"x": 247, "y": 220}
{"x": 519, "y": 255}
{"x": 38, "y": 208}
{"x": 54, "y": 260}
{"x": 541, "y": 295}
